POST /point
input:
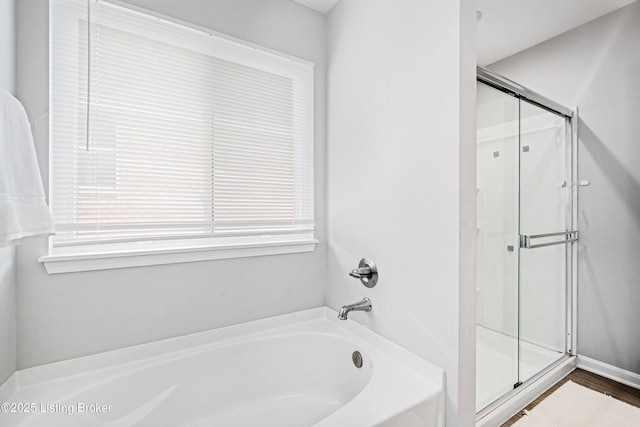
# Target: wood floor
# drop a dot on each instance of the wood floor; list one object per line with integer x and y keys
{"x": 595, "y": 382}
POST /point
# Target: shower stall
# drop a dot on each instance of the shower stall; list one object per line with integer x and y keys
{"x": 526, "y": 200}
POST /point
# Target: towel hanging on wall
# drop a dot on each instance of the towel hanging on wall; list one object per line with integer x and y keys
{"x": 23, "y": 209}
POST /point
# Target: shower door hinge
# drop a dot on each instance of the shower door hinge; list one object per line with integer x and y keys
{"x": 518, "y": 384}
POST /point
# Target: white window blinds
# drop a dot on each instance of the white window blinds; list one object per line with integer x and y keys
{"x": 162, "y": 131}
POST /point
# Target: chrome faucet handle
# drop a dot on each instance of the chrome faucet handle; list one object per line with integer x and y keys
{"x": 367, "y": 272}
{"x": 361, "y": 272}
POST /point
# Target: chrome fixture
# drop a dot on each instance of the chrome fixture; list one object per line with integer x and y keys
{"x": 356, "y": 358}
{"x": 364, "y": 305}
{"x": 569, "y": 237}
{"x": 367, "y": 272}
{"x": 502, "y": 83}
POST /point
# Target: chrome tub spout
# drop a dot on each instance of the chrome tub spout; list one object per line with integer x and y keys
{"x": 364, "y": 305}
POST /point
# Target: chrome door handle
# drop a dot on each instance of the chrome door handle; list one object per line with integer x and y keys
{"x": 569, "y": 237}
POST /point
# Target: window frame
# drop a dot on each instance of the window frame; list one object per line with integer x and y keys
{"x": 145, "y": 252}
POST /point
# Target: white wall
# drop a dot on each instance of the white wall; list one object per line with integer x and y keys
{"x": 7, "y": 44}
{"x": 69, "y": 315}
{"x": 7, "y": 313}
{"x": 7, "y": 255}
{"x": 597, "y": 67}
{"x": 401, "y": 169}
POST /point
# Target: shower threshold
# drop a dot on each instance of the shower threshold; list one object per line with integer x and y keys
{"x": 517, "y": 399}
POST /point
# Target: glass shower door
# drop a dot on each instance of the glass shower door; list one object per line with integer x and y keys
{"x": 497, "y": 240}
{"x": 544, "y": 206}
{"x": 523, "y": 211}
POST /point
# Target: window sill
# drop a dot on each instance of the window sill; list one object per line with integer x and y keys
{"x": 106, "y": 260}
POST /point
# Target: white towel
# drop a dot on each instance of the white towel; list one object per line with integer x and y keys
{"x": 23, "y": 209}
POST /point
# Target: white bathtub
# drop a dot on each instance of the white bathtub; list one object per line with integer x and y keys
{"x": 288, "y": 371}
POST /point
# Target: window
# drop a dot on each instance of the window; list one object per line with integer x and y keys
{"x": 166, "y": 138}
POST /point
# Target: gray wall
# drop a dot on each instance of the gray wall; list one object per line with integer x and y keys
{"x": 402, "y": 177}
{"x": 7, "y": 255}
{"x": 69, "y": 315}
{"x": 597, "y": 68}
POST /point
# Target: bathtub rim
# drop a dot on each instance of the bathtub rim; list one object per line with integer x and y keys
{"x": 184, "y": 345}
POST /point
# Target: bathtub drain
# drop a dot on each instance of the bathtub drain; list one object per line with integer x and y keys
{"x": 356, "y": 357}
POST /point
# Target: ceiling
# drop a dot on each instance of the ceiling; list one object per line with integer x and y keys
{"x": 322, "y": 6}
{"x": 510, "y": 26}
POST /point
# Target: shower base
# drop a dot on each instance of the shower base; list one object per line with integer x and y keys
{"x": 497, "y": 364}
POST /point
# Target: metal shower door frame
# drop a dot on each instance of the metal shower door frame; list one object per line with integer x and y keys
{"x": 571, "y": 234}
